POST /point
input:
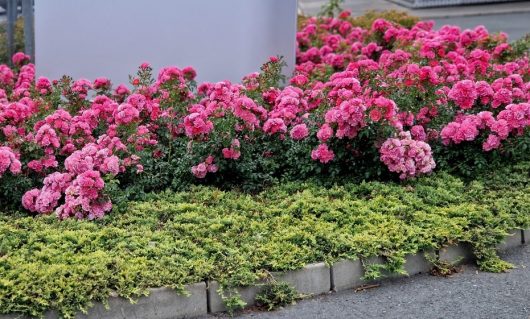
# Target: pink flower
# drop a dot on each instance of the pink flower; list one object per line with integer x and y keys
{"x": 406, "y": 156}
{"x": 491, "y": 143}
{"x": 197, "y": 124}
{"x": 20, "y": 58}
{"x": 299, "y": 132}
{"x": 43, "y": 86}
{"x": 29, "y": 199}
{"x": 111, "y": 165}
{"x": 502, "y": 96}
{"x": 418, "y": 133}
{"x": 457, "y": 132}
{"x": 89, "y": 184}
{"x": 170, "y": 74}
{"x": 81, "y": 87}
{"x": 274, "y": 125}
{"x": 232, "y": 152}
{"x": 84, "y": 198}
{"x": 126, "y": 113}
{"x": 325, "y": 133}
{"x": 189, "y": 73}
{"x": 299, "y": 80}
{"x": 200, "y": 170}
{"x": 8, "y": 160}
{"x": 247, "y": 110}
{"x": 323, "y": 154}
{"x": 102, "y": 84}
{"x": 6, "y": 75}
{"x": 47, "y": 199}
{"x": 464, "y": 94}
{"x": 122, "y": 90}
{"x": 501, "y": 128}
{"x": 79, "y": 162}
{"x": 47, "y": 137}
{"x": 348, "y": 116}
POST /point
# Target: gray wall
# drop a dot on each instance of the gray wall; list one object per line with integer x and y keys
{"x": 222, "y": 39}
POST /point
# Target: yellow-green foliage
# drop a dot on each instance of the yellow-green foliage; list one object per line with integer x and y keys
{"x": 400, "y": 17}
{"x": 178, "y": 238}
{"x": 366, "y": 20}
{"x": 19, "y": 40}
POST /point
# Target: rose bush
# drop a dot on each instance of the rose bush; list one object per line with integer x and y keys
{"x": 375, "y": 102}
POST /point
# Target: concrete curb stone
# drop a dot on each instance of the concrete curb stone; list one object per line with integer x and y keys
{"x": 347, "y": 274}
{"x": 51, "y": 314}
{"x": 418, "y": 263}
{"x": 313, "y": 279}
{"x": 457, "y": 254}
{"x": 526, "y": 236}
{"x": 162, "y": 303}
{"x": 514, "y": 239}
{"x": 247, "y": 294}
{"x": 414, "y": 264}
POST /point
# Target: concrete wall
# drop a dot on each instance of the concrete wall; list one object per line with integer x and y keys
{"x": 222, "y": 39}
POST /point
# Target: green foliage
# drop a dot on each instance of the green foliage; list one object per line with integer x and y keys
{"x": 331, "y": 8}
{"x": 232, "y": 300}
{"x": 442, "y": 268}
{"x": 520, "y": 48}
{"x": 400, "y": 17}
{"x": 275, "y": 295}
{"x": 19, "y": 40}
{"x": 173, "y": 239}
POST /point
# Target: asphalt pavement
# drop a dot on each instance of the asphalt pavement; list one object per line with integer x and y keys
{"x": 468, "y": 294}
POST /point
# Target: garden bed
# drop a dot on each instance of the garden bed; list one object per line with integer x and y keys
{"x": 175, "y": 239}
{"x": 392, "y": 138}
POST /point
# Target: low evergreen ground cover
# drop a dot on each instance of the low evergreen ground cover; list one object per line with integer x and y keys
{"x": 174, "y": 239}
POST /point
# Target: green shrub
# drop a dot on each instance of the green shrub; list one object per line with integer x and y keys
{"x": 174, "y": 239}
{"x": 19, "y": 40}
{"x": 396, "y": 16}
{"x": 276, "y": 295}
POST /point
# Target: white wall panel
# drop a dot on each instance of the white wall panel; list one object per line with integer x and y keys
{"x": 222, "y": 39}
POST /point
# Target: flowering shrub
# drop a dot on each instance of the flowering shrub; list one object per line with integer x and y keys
{"x": 376, "y": 102}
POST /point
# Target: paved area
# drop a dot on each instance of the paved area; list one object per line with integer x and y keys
{"x": 469, "y": 294}
{"x": 358, "y": 7}
{"x": 512, "y": 18}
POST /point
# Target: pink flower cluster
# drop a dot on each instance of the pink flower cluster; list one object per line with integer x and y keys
{"x": 406, "y": 156}
{"x": 464, "y": 94}
{"x": 323, "y": 154}
{"x": 514, "y": 119}
{"x": 9, "y": 161}
{"x": 233, "y": 152}
{"x": 81, "y": 186}
{"x": 200, "y": 170}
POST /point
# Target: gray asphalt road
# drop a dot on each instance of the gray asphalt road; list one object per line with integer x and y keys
{"x": 515, "y": 25}
{"x": 468, "y": 294}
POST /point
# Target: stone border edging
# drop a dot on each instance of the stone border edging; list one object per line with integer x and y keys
{"x": 313, "y": 279}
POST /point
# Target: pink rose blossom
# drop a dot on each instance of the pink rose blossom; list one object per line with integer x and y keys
{"x": 323, "y": 154}
{"x": 299, "y": 132}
